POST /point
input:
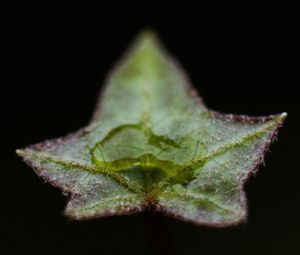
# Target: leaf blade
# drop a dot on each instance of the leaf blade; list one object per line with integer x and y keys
{"x": 153, "y": 142}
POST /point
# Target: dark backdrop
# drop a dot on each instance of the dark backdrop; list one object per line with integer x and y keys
{"x": 55, "y": 60}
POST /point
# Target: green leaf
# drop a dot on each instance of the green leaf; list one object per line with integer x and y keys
{"x": 152, "y": 143}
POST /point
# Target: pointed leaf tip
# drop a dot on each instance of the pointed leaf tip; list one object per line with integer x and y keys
{"x": 280, "y": 118}
{"x": 147, "y": 39}
{"x": 19, "y": 152}
{"x": 148, "y": 35}
{"x": 283, "y": 115}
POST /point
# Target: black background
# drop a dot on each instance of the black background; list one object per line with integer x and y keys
{"x": 243, "y": 61}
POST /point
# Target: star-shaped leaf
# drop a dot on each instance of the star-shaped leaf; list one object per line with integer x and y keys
{"x": 152, "y": 143}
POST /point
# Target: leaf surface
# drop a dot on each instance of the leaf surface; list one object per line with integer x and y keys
{"x": 153, "y": 143}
